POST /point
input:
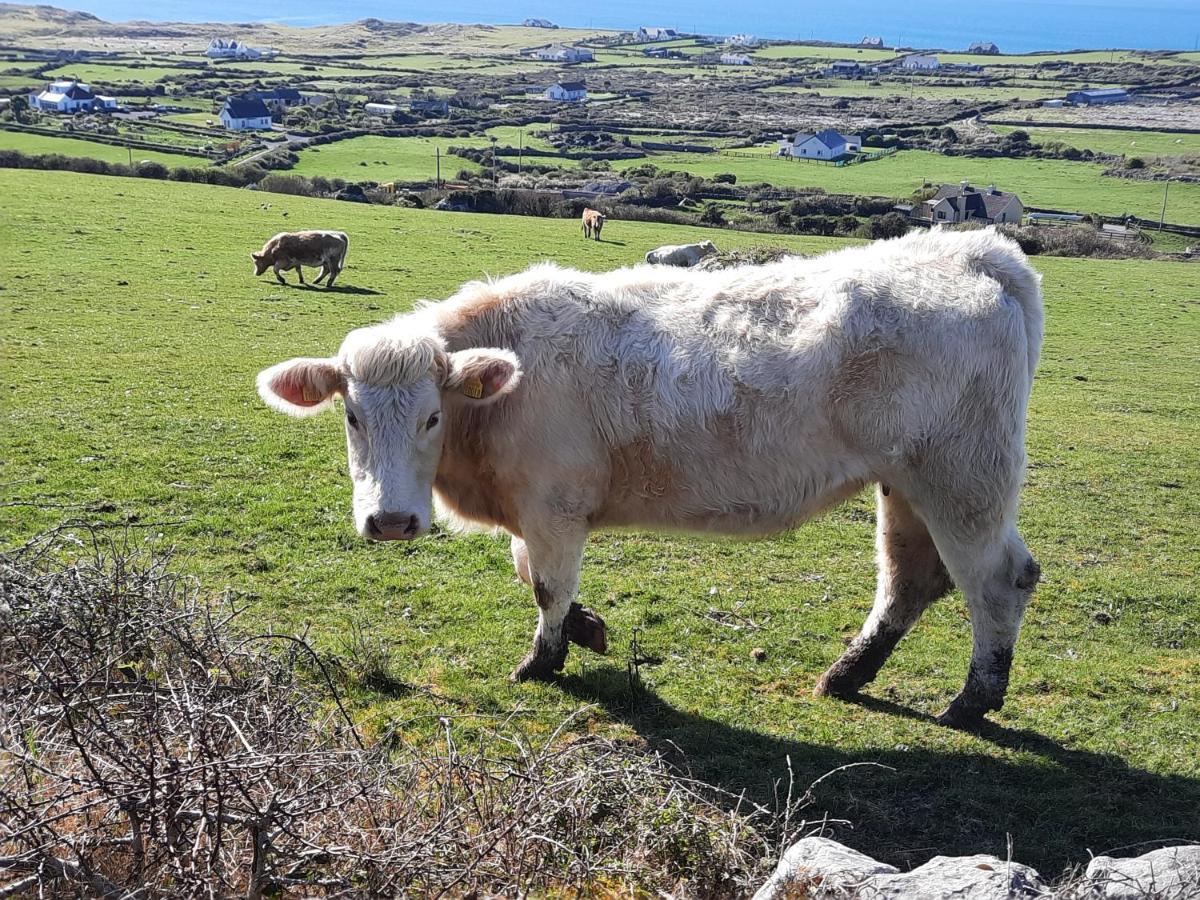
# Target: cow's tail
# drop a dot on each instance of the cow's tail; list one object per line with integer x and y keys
{"x": 1002, "y": 259}
{"x": 345, "y": 250}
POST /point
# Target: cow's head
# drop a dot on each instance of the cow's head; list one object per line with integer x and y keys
{"x": 261, "y": 262}
{"x": 396, "y": 390}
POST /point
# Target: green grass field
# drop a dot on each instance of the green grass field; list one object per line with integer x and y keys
{"x": 1104, "y": 140}
{"x": 34, "y": 144}
{"x": 118, "y": 74}
{"x": 132, "y": 331}
{"x": 1050, "y": 183}
{"x": 387, "y": 159}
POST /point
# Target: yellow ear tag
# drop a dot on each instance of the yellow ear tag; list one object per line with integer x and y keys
{"x": 311, "y": 396}
{"x": 473, "y": 388}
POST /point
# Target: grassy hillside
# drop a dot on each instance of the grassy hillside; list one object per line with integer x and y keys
{"x": 1106, "y": 140}
{"x": 130, "y": 335}
{"x": 43, "y": 143}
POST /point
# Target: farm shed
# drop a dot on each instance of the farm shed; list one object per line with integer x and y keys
{"x": 1096, "y": 96}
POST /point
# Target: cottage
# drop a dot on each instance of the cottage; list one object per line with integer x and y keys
{"x": 962, "y": 203}
{"x": 70, "y": 96}
{"x": 871, "y": 41}
{"x": 566, "y": 92}
{"x": 827, "y": 144}
{"x": 734, "y": 59}
{"x": 559, "y": 53}
{"x": 245, "y": 114}
{"x": 1097, "y": 96}
{"x": 656, "y": 34}
{"x": 920, "y": 61}
{"x": 539, "y": 23}
{"x": 844, "y": 68}
{"x": 277, "y": 99}
{"x": 984, "y": 47}
{"x": 742, "y": 40}
{"x": 219, "y": 48}
{"x": 429, "y": 106}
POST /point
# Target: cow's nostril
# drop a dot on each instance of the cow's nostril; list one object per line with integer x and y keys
{"x": 373, "y": 527}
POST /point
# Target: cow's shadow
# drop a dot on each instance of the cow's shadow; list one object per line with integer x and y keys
{"x": 1058, "y": 804}
{"x": 607, "y": 241}
{"x": 336, "y": 289}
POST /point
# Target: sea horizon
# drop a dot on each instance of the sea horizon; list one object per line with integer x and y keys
{"x": 1016, "y": 26}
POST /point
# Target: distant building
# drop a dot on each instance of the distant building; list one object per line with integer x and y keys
{"x": 742, "y": 40}
{"x": 923, "y": 61}
{"x": 1054, "y": 104}
{"x": 566, "y": 92}
{"x": 1097, "y": 96}
{"x": 985, "y": 47}
{"x": 963, "y": 203}
{"x": 871, "y": 41}
{"x": 277, "y": 99}
{"x": 538, "y": 23}
{"x": 656, "y": 34}
{"x": 561, "y": 54}
{"x": 429, "y": 106}
{"x": 734, "y": 59}
{"x": 382, "y": 110}
{"x": 845, "y": 68}
{"x": 70, "y": 96}
{"x": 245, "y": 114}
{"x": 219, "y": 48}
{"x": 827, "y": 144}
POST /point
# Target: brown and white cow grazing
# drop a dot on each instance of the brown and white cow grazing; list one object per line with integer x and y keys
{"x": 593, "y": 224}
{"x": 741, "y": 401}
{"x": 291, "y": 250}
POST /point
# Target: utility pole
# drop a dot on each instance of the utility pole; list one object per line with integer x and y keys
{"x": 1163, "y": 217}
{"x": 438, "y": 181}
{"x": 520, "y": 149}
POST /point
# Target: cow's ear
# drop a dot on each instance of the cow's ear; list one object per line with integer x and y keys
{"x": 482, "y": 375}
{"x": 256, "y": 255}
{"x": 302, "y": 386}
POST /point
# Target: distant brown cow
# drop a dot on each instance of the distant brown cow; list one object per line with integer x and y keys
{"x": 593, "y": 222}
{"x": 291, "y": 250}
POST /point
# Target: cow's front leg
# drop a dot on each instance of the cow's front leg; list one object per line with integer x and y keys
{"x": 300, "y": 273}
{"x": 552, "y": 563}
{"x": 279, "y": 273}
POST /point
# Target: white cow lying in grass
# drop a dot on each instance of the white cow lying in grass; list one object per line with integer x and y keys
{"x": 742, "y": 402}
{"x": 682, "y": 255}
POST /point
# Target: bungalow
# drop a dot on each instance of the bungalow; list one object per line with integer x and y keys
{"x": 845, "y": 68}
{"x": 219, "y": 48}
{"x": 538, "y": 23}
{"x": 655, "y": 34}
{"x": 559, "y": 53}
{"x": 244, "y": 114}
{"x": 1097, "y": 96}
{"x": 429, "y": 106}
{"x": 985, "y": 47}
{"x": 70, "y": 96}
{"x": 742, "y": 40}
{"x": 827, "y": 144}
{"x": 566, "y": 92}
{"x": 734, "y": 59}
{"x": 923, "y": 61}
{"x": 963, "y": 203}
{"x": 871, "y": 41}
{"x": 277, "y": 99}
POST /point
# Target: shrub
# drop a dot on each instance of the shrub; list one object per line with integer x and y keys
{"x": 1135, "y": 162}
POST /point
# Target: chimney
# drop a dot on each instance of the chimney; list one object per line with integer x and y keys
{"x": 963, "y": 186}
{"x": 992, "y": 189}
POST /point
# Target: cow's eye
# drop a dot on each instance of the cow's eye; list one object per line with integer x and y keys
{"x": 433, "y": 420}
{"x": 351, "y": 419}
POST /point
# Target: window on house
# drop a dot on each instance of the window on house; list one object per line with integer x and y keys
{"x": 941, "y": 215}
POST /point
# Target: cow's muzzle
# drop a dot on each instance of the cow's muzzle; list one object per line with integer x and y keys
{"x": 386, "y": 526}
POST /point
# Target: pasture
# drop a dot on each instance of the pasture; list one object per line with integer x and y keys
{"x": 34, "y": 144}
{"x": 1119, "y": 142}
{"x": 130, "y": 341}
{"x": 385, "y": 159}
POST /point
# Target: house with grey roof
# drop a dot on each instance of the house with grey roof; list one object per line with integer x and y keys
{"x": 827, "y": 144}
{"x": 245, "y": 114}
{"x": 871, "y": 41}
{"x": 954, "y": 203}
{"x": 566, "y": 92}
{"x": 985, "y": 47}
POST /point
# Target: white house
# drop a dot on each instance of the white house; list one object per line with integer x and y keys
{"x": 219, "y": 48}
{"x": 735, "y": 59}
{"x": 985, "y": 47}
{"x": 566, "y": 92}
{"x": 924, "y": 61}
{"x": 245, "y": 114}
{"x": 384, "y": 110}
{"x": 871, "y": 41}
{"x": 827, "y": 144}
{"x": 742, "y": 40}
{"x": 559, "y": 53}
{"x": 539, "y": 23}
{"x": 656, "y": 34}
{"x": 70, "y": 96}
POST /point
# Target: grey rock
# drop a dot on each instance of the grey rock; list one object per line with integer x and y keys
{"x": 823, "y": 867}
{"x": 1171, "y": 873}
{"x": 978, "y": 877}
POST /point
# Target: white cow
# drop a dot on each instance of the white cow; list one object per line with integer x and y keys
{"x": 743, "y": 401}
{"x": 682, "y": 255}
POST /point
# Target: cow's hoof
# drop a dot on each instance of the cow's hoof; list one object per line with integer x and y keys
{"x": 840, "y": 680}
{"x": 585, "y": 628}
{"x": 542, "y": 663}
{"x": 963, "y": 715}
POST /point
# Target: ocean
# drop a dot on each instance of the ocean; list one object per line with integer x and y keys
{"x": 1017, "y": 26}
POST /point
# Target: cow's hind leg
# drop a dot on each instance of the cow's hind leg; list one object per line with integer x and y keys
{"x": 300, "y": 273}
{"x": 334, "y": 272}
{"x": 552, "y": 563}
{"x": 911, "y": 576}
{"x": 321, "y": 273}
